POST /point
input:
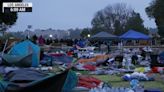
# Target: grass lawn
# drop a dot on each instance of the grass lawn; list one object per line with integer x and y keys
{"x": 116, "y": 81}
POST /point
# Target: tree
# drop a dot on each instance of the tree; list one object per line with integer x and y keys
{"x": 85, "y": 32}
{"x": 7, "y": 19}
{"x": 109, "y": 17}
{"x": 115, "y": 19}
{"x": 136, "y": 23}
{"x": 98, "y": 23}
{"x": 156, "y": 10}
{"x": 118, "y": 28}
{"x": 75, "y": 33}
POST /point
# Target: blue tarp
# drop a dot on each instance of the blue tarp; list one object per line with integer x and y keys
{"x": 81, "y": 43}
{"x": 25, "y": 47}
{"x": 131, "y": 34}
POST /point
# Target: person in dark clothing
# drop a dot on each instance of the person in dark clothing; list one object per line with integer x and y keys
{"x": 134, "y": 59}
{"x": 34, "y": 39}
{"x": 143, "y": 54}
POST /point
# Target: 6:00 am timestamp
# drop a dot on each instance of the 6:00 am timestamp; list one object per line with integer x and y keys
{"x": 17, "y": 9}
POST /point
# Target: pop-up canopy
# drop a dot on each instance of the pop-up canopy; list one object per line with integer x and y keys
{"x": 133, "y": 35}
{"x": 104, "y": 36}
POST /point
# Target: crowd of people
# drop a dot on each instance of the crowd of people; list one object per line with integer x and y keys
{"x": 41, "y": 40}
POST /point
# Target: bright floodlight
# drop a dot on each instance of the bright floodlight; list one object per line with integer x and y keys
{"x": 89, "y": 35}
{"x": 50, "y": 35}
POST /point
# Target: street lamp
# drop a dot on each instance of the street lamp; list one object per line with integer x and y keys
{"x": 50, "y": 35}
{"x": 88, "y": 35}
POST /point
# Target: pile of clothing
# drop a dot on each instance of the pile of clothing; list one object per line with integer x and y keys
{"x": 157, "y": 69}
{"x": 88, "y": 67}
{"x": 56, "y": 58}
{"x": 143, "y": 69}
{"x": 104, "y": 72}
{"x": 107, "y": 89}
{"x": 88, "y": 82}
{"x": 97, "y": 59}
{"x": 138, "y": 76}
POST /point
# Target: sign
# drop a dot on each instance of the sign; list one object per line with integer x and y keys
{"x": 16, "y": 7}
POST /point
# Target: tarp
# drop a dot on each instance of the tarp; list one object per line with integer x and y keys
{"x": 97, "y": 59}
{"x": 81, "y": 43}
{"x": 88, "y": 82}
{"x": 70, "y": 82}
{"x": 104, "y": 35}
{"x": 27, "y": 75}
{"x": 51, "y": 83}
{"x": 17, "y": 60}
{"x": 25, "y": 47}
{"x": 19, "y": 80}
{"x": 131, "y": 34}
{"x": 61, "y": 58}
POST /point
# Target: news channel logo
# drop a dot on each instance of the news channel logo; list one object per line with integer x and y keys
{"x": 9, "y": 7}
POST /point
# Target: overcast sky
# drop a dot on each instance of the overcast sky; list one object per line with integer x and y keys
{"x": 65, "y": 14}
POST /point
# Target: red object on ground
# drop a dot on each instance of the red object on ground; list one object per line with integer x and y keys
{"x": 89, "y": 67}
{"x": 70, "y": 53}
{"x": 157, "y": 69}
{"x": 88, "y": 82}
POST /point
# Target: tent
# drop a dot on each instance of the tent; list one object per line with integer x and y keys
{"x": 17, "y": 60}
{"x": 26, "y": 47}
{"x": 104, "y": 35}
{"x": 133, "y": 35}
{"x": 51, "y": 83}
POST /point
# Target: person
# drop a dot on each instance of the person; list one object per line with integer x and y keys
{"x": 41, "y": 40}
{"x": 143, "y": 54}
{"x": 34, "y": 39}
{"x": 108, "y": 47}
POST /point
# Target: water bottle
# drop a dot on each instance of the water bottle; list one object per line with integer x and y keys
{"x": 92, "y": 90}
{"x": 134, "y": 83}
{"x": 112, "y": 89}
{"x": 139, "y": 89}
{"x": 127, "y": 90}
{"x": 121, "y": 89}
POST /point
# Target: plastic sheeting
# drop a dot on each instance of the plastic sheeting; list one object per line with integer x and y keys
{"x": 25, "y": 47}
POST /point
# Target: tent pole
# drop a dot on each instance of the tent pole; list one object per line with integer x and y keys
{"x": 122, "y": 47}
{"x": 4, "y": 47}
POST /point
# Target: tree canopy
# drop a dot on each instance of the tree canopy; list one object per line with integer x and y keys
{"x": 156, "y": 10}
{"x": 85, "y": 32}
{"x": 136, "y": 23}
{"x": 117, "y": 19}
{"x": 7, "y": 19}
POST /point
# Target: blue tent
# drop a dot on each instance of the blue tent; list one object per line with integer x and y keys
{"x": 25, "y": 47}
{"x": 131, "y": 34}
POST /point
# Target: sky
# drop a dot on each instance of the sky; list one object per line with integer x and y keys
{"x": 66, "y": 14}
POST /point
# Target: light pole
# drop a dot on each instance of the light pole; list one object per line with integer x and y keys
{"x": 88, "y": 35}
{"x": 28, "y": 30}
{"x": 50, "y": 35}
